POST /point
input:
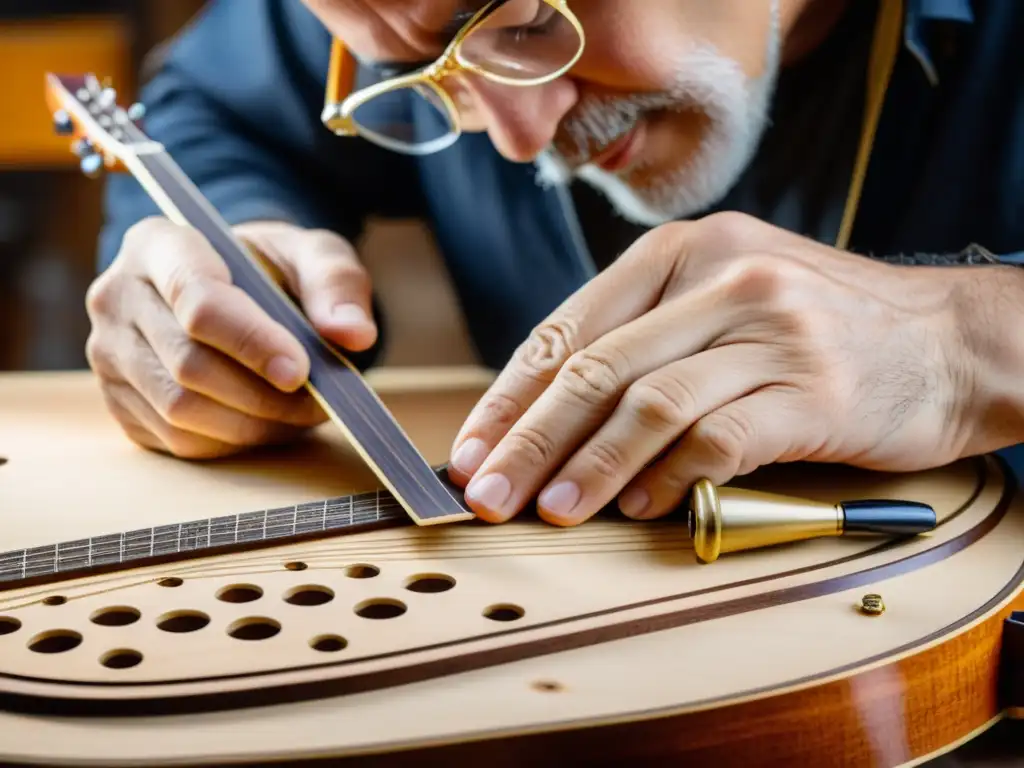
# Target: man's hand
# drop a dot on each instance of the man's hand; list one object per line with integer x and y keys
{"x": 189, "y": 364}
{"x": 712, "y": 348}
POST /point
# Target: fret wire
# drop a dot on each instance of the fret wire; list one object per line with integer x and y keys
{"x": 112, "y": 549}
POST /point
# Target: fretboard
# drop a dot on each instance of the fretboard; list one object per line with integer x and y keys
{"x": 179, "y": 541}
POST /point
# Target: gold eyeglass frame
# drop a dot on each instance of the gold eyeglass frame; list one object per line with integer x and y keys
{"x": 340, "y": 103}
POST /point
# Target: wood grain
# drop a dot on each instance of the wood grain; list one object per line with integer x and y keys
{"x": 805, "y": 682}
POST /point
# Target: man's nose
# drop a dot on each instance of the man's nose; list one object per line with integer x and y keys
{"x": 521, "y": 121}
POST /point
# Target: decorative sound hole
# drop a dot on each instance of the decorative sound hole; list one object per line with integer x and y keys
{"x": 240, "y": 593}
{"x": 55, "y": 600}
{"x": 254, "y": 628}
{"x": 328, "y": 643}
{"x": 121, "y": 616}
{"x": 183, "y": 621}
{"x": 2, "y": 461}
{"x": 173, "y": 581}
{"x": 362, "y": 571}
{"x": 310, "y": 594}
{"x": 430, "y": 583}
{"x": 504, "y": 612}
{"x": 57, "y": 641}
{"x": 380, "y": 608}
{"x": 121, "y": 659}
{"x": 296, "y": 566}
{"x": 9, "y": 624}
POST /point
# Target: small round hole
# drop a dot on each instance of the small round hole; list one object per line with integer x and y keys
{"x": 8, "y": 625}
{"x": 362, "y": 571}
{"x": 328, "y": 643}
{"x": 56, "y": 641}
{"x": 548, "y": 686}
{"x": 173, "y": 581}
{"x": 254, "y": 628}
{"x": 380, "y": 608}
{"x": 308, "y": 595}
{"x": 2, "y": 461}
{"x": 240, "y": 593}
{"x": 120, "y": 616}
{"x": 121, "y": 659}
{"x": 504, "y": 612}
{"x": 183, "y": 621}
{"x": 55, "y": 600}
{"x": 296, "y": 566}
{"x": 430, "y": 583}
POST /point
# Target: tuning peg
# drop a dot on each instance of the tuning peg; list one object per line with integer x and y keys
{"x": 727, "y": 519}
{"x": 62, "y": 124}
{"x": 92, "y": 165}
{"x": 83, "y": 147}
{"x": 136, "y": 112}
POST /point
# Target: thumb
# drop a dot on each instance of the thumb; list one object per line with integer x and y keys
{"x": 324, "y": 274}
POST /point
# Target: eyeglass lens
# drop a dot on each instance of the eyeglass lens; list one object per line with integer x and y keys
{"x": 519, "y": 42}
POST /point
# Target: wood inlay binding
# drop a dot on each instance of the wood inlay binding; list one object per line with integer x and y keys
{"x": 336, "y": 384}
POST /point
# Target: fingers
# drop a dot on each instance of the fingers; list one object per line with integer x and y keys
{"x": 200, "y": 369}
{"x": 187, "y": 423}
{"x": 763, "y": 428}
{"x": 325, "y": 275}
{"x": 596, "y": 465}
{"x": 192, "y": 280}
{"x": 588, "y": 315}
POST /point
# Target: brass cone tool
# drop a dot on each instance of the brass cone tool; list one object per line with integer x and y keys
{"x": 733, "y": 519}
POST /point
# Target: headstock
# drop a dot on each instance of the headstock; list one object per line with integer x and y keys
{"x": 102, "y": 133}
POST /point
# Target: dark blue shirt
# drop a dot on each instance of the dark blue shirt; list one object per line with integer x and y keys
{"x": 236, "y": 99}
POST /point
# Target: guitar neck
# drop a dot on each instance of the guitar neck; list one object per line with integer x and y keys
{"x": 342, "y": 515}
{"x": 337, "y": 385}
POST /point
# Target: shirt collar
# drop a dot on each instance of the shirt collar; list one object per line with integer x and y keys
{"x": 918, "y": 14}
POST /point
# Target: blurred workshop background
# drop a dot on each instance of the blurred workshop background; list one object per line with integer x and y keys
{"x": 50, "y": 214}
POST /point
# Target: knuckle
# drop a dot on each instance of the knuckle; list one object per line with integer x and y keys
{"x": 187, "y": 363}
{"x": 139, "y": 236}
{"x": 660, "y": 406}
{"x": 174, "y": 404}
{"x": 99, "y": 357}
{"x": 724, "y": 435}
{"x": 592, "y": 377}
{"x": 535, "y": 448}
{"x": 500, "y": 409}
{"x": 730, "y": 230}
{"x": 547, "y": 349}
{"x": 606, "y": 459}
{"x": 101, "y": 299}
{"x": 194, "y": 307}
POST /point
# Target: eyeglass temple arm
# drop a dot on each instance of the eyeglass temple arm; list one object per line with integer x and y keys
{"x": 341, "y": 74}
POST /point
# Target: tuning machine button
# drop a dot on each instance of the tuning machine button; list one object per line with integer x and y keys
{"x": 92, "y": 165}
{"x": 136, "y": 112}
{"x": 62, "y": 124}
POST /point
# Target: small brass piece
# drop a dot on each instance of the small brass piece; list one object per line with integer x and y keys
{"x": 731, "y": 519}
{"x": 872, "y": 604}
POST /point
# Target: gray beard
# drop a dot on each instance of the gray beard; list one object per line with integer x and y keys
{"x": 735, "y": 107}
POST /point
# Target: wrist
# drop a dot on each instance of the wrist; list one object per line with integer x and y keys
{"x": 988, "y": 307}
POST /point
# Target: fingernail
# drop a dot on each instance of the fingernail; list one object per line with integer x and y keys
{"x": 633, "y": 503}
{"x": 349, "y": 315}
{"x": 284, "y": 373}
{"x": 469, "y": 456}
{"x": 559, "y": 500}
{"x": 490, "y": 492}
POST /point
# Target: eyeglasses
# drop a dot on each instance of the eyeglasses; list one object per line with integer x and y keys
{"x": 519, "y": 43}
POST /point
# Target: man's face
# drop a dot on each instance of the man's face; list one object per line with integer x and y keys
{"x": 662, "y": 112}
